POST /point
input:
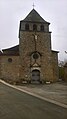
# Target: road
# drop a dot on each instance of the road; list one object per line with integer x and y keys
{"x": 15, "y": 104}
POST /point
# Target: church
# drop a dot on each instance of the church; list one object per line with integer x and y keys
{"x": 33, "y": 60}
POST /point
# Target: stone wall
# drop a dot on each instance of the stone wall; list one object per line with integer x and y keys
{"x": 9, "y": 68}
{"x": 22, "y": 26}
{"x": 55, "y": 66}
{"x": 43, "y": 46}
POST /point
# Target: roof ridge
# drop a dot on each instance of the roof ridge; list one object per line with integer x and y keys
{"x": 34, "y": 16}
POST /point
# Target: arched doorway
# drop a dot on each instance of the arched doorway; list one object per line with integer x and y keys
{"x": 35, "y": 75}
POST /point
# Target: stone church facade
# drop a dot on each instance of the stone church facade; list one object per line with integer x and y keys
{"x": 32, "y": 60}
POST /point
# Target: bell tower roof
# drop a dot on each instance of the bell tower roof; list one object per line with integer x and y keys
{"x": 34, "y": 16}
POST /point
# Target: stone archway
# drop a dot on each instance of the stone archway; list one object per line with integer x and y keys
{"x": 36, "y": 75}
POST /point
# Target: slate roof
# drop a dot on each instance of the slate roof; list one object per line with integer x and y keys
{"x": 15, "y": 48}
{"x": 55, "y": 51}
{"x": 34, "y": 16}
{"x": 11, "y": 51}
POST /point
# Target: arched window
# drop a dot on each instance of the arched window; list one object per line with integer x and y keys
{"x": 26, "y": 26}
{"x": 42, "y": 27}
{"x": 34, "y": 27}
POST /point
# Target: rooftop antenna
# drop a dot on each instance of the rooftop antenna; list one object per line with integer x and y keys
{"x": 33, "y": 5}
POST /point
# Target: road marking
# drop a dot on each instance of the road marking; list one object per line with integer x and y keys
{"x": 30, "y": 93}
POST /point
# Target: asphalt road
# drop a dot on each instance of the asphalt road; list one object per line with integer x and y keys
{"x": 15, "y": 104}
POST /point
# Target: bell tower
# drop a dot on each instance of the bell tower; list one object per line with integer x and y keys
{"x": 35, "y": 49}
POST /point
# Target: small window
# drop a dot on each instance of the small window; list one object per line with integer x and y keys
{"x": 42, "y": 27}
{"x": 35, "y": 56}
{"x": 27, "y": 27}
{"x": 34, "y": 27}
{"x": 9, "y": 59}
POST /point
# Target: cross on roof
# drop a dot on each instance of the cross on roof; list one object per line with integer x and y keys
{"x": 33, "y": 5}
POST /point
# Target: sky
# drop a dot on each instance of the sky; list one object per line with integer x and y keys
{"x": 53, "y": 11}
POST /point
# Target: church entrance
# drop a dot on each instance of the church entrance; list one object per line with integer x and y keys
{"x": 35, "y": 75}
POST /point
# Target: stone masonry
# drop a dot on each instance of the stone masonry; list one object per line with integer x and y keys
{"x": 47, "y": 63}
{"x": 33, "y": 59}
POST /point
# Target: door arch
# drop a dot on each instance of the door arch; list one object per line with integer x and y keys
{"x": 35, "y": 75}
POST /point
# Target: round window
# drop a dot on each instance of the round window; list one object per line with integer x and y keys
{"x": 35, "y": 56}
{"x": 9, "y": 59}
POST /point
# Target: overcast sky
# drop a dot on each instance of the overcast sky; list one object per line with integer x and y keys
{"x": 53, "y": 11}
